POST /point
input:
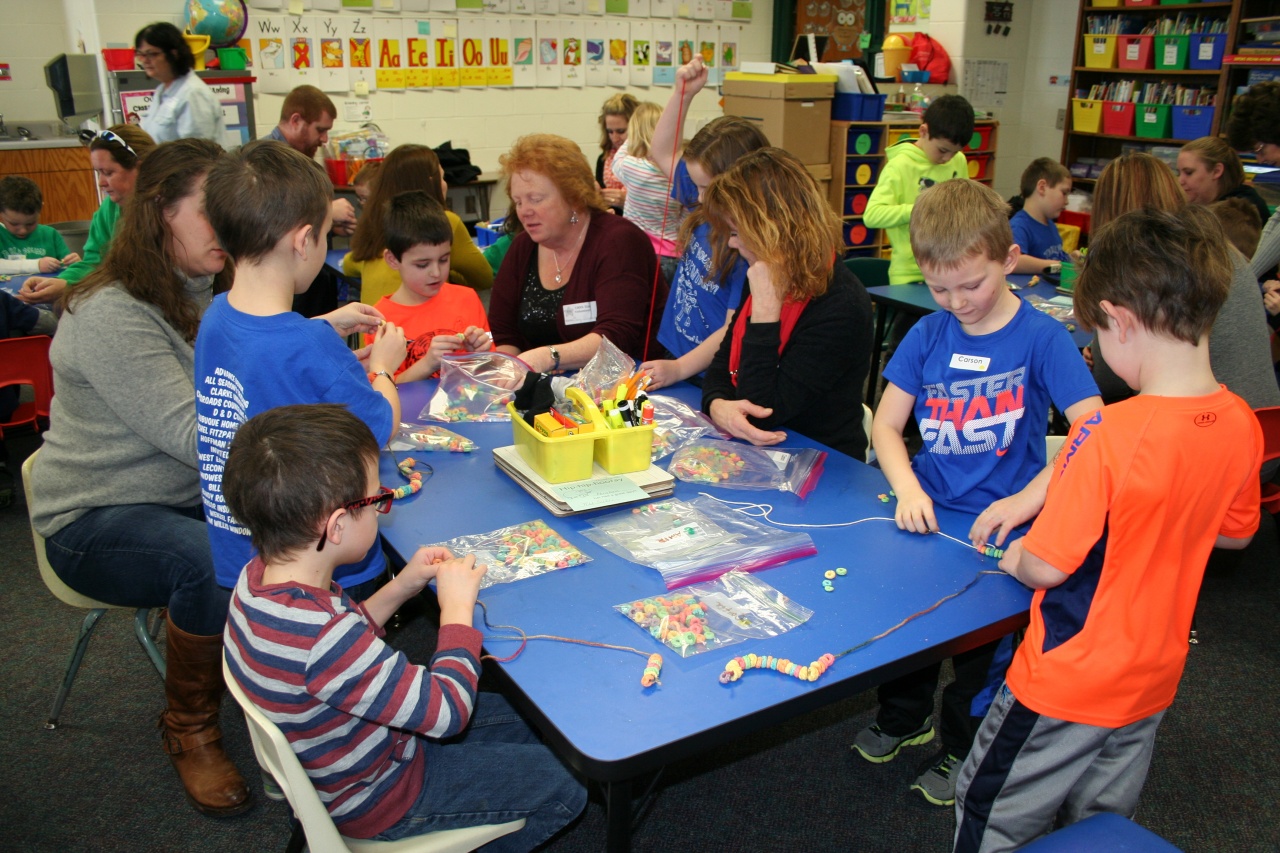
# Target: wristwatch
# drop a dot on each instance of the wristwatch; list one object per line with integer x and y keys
{"x": 375, "y": 375}
{"x": 555, "y": 354}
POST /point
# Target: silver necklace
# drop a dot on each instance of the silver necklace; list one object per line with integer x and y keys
{"x": 555, "y": 257}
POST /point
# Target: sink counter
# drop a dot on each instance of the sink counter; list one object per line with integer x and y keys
{"x": 15, "y": 144}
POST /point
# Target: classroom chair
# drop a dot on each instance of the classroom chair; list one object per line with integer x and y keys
{"x": 75, "y": 233}
{"x": 1270, "y": 420}
{"x": 1102, "y": 833}
{"x": 872, "y": 272}
{"x": 25, "y": 361}
{"x": 311, "y": 820}
{"x": 145, "y": 632}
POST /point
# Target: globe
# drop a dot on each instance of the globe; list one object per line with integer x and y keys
{"x": 223, "y": 21}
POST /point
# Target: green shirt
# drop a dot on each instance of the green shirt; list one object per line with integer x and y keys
{"x": 19, "y": 256}
{"x": 101, "y": 230}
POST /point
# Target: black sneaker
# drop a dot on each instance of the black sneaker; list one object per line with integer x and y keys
{"x": 873, "y": 744}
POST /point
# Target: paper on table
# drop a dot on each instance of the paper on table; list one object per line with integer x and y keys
{"x": 594, "y": 493}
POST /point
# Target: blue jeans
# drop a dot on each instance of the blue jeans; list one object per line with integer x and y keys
{"x": 144, "y": 555}
{"x": 497, "y": 771}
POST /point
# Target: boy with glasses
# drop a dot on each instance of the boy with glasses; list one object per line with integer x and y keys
{"x": 394, "y": 749}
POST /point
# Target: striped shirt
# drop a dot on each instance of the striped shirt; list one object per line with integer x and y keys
{"x": 648, "y": 200}
{"x": 351, "y": 706}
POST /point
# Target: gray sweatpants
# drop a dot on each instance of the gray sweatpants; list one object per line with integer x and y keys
{"x": 1028, "y": 774}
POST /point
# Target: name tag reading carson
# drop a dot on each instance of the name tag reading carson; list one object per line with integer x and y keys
{"x": 978, "y": 363}
{"x": 579, "y": 313}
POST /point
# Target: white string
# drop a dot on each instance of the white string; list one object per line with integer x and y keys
{"x": 757, "y": 510}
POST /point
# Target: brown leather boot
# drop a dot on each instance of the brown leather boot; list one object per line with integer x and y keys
{"x": 193, "y": 687}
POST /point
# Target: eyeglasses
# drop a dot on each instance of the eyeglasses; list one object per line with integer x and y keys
{"x": 381, "y": 503}
{"x": 148, "y": 54}
{"x": 88, "y": 136}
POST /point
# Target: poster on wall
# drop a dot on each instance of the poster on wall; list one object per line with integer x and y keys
{"x": 471, "y": 53}
{"x": 498, "y": 71}
{"x": 272, "y": 54}
{"x": 572, "y": 45}
{"x": 664, "y": 53}
{"x": 909, "y": 16}
{"x": 597, "y": 47}
{"x": 389, "y": 62}
{"x": 524, "y": 53}
{"x": 641, "y": 53}
{"x": 709, "y": 47}
{"x": 444, "y": 54}
{"x": 618, "y": 34}
{"x": 686, "y": 42}
{"x": 417, "y": 54}
{"x": 730, "y": 44}
{"x": 548, "y": 67}
{"x": 704, "y": 10}
{"x": 303, "y": 52}
{"x": 331, "y": 42}
{"x": 360, "y": 52}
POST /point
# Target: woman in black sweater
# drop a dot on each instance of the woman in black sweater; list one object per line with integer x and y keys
{"x": 798, "y": 351}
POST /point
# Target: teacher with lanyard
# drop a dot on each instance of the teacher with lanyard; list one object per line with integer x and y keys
{"x": 182, "y": 106}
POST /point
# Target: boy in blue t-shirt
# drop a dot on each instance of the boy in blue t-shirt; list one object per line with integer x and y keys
{"x": 269, "y": 206}
{"x": 1045, "y": 186}
{"x": 978, "y": 376}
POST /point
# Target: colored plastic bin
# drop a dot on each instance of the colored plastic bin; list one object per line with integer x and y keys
{"x": 1178, "y": 2}
{"x": 562, "y": 459}
{"x": 619, "y": 451}
{"x": 1086, "y": 115}
{"x": 118, "y": 58}
{"x": 1153, "y": 121}
{"x": 855, "y": 202}
{"x": 857, "y": 234}
{"x": 1192, "y": 122}
{"x": 1117, "y": 118}
{"x": 864, "y": 141}
{"x": 1100, "y": 51}
{"x": 1171, "y": 52}
{"x": 861, "y": 173}
{"x": 1106, "y": 4}
{"x": 1139, "y": 2}
{"x": 1135, "y": 52}
{"x": 1205, "y": 51}
{"x": 343, "y": 172}
{"x": 897, "y": 134}
{"x": 979, "y": 166}
{"x": 232, "y": 59}
{"x": 851, "y": 106}
{"x": 1071, "y": 217}
{"x": 981, "y": 139}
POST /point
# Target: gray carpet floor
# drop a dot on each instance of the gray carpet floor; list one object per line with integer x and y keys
{"x": 100, "y": 782}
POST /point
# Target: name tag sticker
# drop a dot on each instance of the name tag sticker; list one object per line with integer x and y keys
{"x": 978, "y": 363}
{"x": 580, "y": 312}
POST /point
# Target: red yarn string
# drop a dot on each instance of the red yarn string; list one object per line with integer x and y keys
{"x": 671, "y": 180}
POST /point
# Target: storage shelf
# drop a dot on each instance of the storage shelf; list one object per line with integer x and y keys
{"x": 1152, "y": 140}
{"x": 1182, "y": 72}
{"x": 1128, "y": 10}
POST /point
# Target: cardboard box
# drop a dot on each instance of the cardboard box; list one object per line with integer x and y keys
{"x": 821, "y": 172}
{"x": 793, "y": 110}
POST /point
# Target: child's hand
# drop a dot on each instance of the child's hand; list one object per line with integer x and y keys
{"x": 37, "y": 290}
{"x": 693, "y": 75}
{"x": 1087, "y": 352}
{"x": 662, "y": 373}
{"x": 353, "y": 318}
{"x": 477, "y": 339}
{"x": 457, "y": 585}
{"x": 440, "y": 346}
{"x": 70, "y": 259}
{"x": 731, "y": 416}
{"x": 422, "y": 568}
{"x": 915, "y": 512}
{"x": 1012, "y": 556}
{"x": 344, "y": 217}
{"x": 49, "y": 265}
{"x": 388, "y": 348}
{"x": 1002, "y": 517}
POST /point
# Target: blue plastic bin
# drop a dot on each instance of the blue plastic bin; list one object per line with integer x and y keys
{"x": 1192, "y": 122}
{"x": 1206, "y": 51}
{"x": 846, "y": 106}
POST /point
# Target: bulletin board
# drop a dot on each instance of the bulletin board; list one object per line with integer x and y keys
{"x": 842, "y": 21}
{"x": 361, "y": 46}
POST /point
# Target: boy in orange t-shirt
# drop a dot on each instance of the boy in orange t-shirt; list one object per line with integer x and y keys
{"x": 438, "y": 318}
{"x": 1142, "y": 492}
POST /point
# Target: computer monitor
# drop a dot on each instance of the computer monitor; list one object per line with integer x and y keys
{"x": 73, "y": 78}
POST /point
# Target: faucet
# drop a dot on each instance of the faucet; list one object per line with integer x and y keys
{"x": 4, "y": 131}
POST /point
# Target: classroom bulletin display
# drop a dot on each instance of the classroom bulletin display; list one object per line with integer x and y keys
{"x": 395, "y": 45}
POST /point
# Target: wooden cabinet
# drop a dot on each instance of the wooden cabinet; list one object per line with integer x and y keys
{"x": 64, "y": 176}
{"x": 858, "y": 155}
{"x": 1100, "y": 129}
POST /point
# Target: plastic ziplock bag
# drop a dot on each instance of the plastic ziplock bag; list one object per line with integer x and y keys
{"x": 734, "y": 465}
{"x": 697, "y": 540}
{"x": 426, "y": 437}
{"x": 518, "y": 552}
{"x": 475, "y": 386}
{"x": 675, "y": 425}
{"x": 600, "y": 376}
{"x": 732, "y": 608}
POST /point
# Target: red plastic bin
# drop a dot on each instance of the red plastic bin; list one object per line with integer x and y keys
{"x": 857, "y": 234}
{"x": 1070, "y": 217}
{"x": 1117, "y": 118}
{"x": 981, "y": 139}
{"x": 343, "y": 172}
{"x": 979, "y": 166}
{"x": 1135, "y": 52}
{"x": 855, "y": 202}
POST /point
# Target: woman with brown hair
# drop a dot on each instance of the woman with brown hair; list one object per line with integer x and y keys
{"x": 1238, "y": 344}
{"x": 1209, "y": 171}
{"x": 797, "y": 352}
{"x": 407, "y": 168}
{"x": 114, "y": 154}
{"x": 116, "y": 487}
{"x": 576, "y": 273}
{"x": 615, "y": 121}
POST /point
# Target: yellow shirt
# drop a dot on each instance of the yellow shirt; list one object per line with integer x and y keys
{"x": 467, "y": 265}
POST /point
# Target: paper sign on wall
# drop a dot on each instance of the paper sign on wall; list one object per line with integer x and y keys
{"x": 597, "y": 46}
{"x": 572, "y": 46}
{"x": 389, "y": 63}
{"x": 444, "y": 57}
{"x": 641, "y": 53}
{"x": 360, "y": 52}
{"x": 708, "y": 46}
{"x": 417, "y": 54}
{"x": 548, "y": 58}
{"x": 730, "y": 44}
{"x": 471, "y": 52}
{"x": 303, "y": 52}
{"x": 619, "y": 35}
{"x": 524, "y": 52}
{"x": 498, "y": 71}
{"x": 333, "y": 55}
{"x": 272, "y": 54}
{"x": 664, "y": 54}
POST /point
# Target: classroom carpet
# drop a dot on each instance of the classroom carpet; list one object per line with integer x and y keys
{"x": 100, "y": 782}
